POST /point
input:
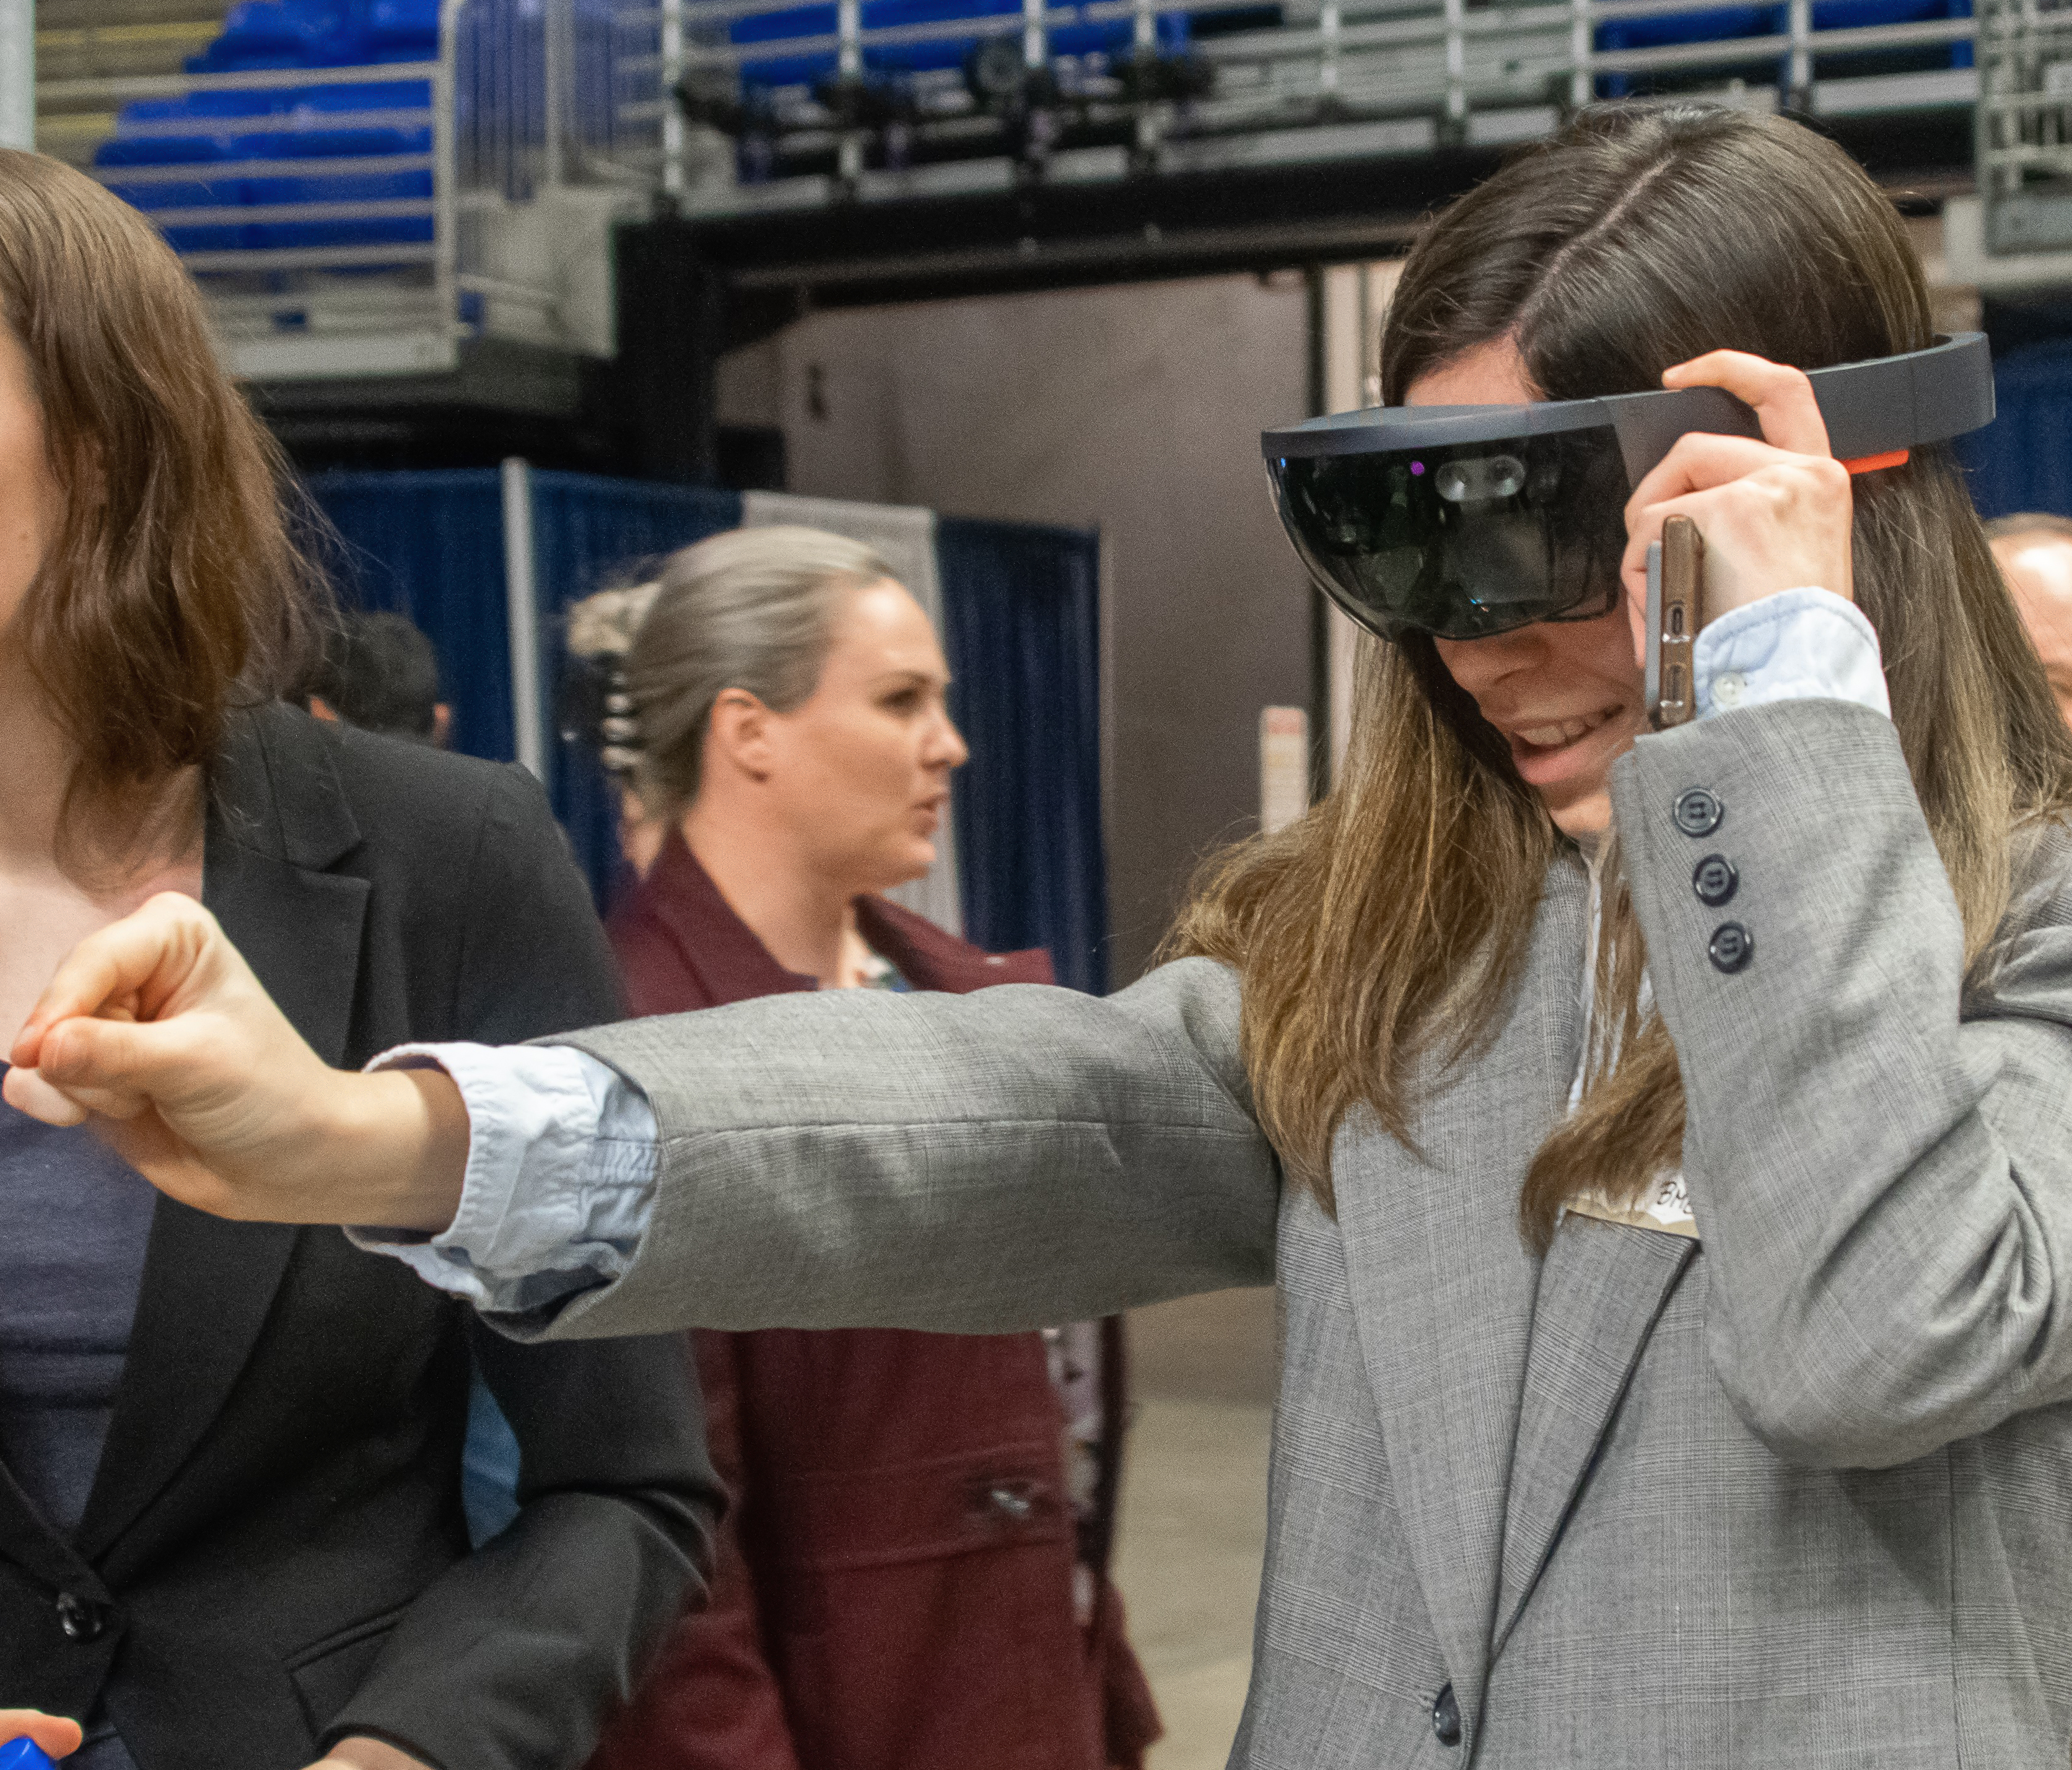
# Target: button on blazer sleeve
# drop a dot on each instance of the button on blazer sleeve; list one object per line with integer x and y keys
{"x": 513, "y": 1657}
{"x": 1879, "y": 1155}
{"x": 979, "y": 1163}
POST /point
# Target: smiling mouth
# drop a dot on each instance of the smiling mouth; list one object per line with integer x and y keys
{"x": 1559, "y": 733}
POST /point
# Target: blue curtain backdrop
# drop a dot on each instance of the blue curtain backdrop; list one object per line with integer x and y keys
{"x": 431, "y": 545}
{"x": 1020, "y": 611}
{"x": 2023, "y": 459}
{"x": 587, "y": 533}
{"x": 1021, "y": 615}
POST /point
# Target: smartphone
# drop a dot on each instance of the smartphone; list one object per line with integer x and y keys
{"x": 1675, "y": 595}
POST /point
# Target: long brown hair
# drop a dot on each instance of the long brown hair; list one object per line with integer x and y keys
{"x": 1387, "y": 928}
{"x": 172, "y": 590}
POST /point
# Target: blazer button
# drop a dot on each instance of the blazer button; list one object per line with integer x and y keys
{"x": 1446, "y": 1718}
{"x": 1731, "y": 948}
{"x": 1698, "y": 811}
{"x": 1715, "y": 880}
{"x": 81, "y": 1620}
{"x": 1011, "y": 1503}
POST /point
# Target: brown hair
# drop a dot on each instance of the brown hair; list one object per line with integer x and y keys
{"x": 171, "y": 590}
{"x": 1388, "y": 927}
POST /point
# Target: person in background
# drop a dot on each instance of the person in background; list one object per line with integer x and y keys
{"x": 230, "y": 1523}
{"x": 913, "y": 1576}
{"x": 380, "y": 673}
{"x": 2035, "y": 555}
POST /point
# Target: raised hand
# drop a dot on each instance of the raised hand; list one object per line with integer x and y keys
{"x": 155, "y": 1030}
{"x": 1775, "y": 515}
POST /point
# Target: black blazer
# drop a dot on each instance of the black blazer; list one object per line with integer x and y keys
{"x": 273, "y": 1555}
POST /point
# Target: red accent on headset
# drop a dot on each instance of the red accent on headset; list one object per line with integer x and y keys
{"x": 1891, "y": 457}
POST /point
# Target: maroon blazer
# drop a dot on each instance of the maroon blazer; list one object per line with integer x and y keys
{"x": 893, "y": 1586}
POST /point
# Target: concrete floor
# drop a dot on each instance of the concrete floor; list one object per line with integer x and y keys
{"x": 1193, "y": 1526}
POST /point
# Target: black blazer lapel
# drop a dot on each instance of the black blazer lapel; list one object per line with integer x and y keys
{"x": 277, "y": 816}
{"x": 1601, "y": 1287}
{"x": 28, "y": 1541}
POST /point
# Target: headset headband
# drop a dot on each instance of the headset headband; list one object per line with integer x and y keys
{"x": 1876, "y": 412}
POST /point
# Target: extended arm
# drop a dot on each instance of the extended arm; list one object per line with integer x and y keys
{"x": 978, "y": 1164}
{"x": 970, "y": 1164}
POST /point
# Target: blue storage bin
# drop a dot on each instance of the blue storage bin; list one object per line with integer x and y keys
{"x": 347, "y": 187}
{"x": 1736, "y": 24}
{"x": 192, "y": 237}
{"x": 402, "y": 30}
{"x": 1851, "y": 15}
{"x": 329, "y": 124}
{"x": 270, "y": 33}
{"x": 140, "y": 140}
{"x": 1105, "y": 37}
{"x": 321, "y": 33}
{"x": 346, "y": 142}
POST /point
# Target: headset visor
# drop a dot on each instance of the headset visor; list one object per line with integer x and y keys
{"x": 1462, "y": 540}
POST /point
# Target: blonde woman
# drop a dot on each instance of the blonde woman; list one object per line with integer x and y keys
{"x": 913, "y": 1573}
{"x": 1678, "y": 1361}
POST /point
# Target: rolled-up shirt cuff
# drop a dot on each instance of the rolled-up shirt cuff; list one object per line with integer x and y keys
{"x": 561, "y": 1160}
{"x": 1806, "y": 644}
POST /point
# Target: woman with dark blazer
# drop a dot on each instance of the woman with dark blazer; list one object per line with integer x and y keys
{"x": 230, "y": 1528}
{"x": 913, "y": 1576}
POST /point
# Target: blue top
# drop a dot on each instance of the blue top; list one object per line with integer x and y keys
{"x": 75, "y": 1220}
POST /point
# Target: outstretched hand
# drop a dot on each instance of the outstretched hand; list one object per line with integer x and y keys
{"x": 155, "y": 1030}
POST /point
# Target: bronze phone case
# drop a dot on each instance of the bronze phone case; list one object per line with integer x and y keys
{"x": 1675, "y": 596}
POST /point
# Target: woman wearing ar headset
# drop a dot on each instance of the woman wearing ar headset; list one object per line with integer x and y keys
{"x": 1678, "y": 1330}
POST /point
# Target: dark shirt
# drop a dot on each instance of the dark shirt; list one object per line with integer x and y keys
{"x": 73, "y": 1229}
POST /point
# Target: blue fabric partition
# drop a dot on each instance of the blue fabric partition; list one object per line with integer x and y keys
{"x": 1021, "y": 612}
{"x": 431, "y": 545}
{"x": 588, "y": 532}
{"x": 2023, "y": 459}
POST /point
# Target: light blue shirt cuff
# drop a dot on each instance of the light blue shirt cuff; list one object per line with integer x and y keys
{"x": 562, "y": 1154}
{"x": 1798, "y": 645}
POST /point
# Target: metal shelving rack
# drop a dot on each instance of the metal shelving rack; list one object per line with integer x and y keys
{"x": 2024, "y": 125}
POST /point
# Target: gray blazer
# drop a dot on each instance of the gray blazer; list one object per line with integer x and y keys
{"x": 1801, "y": 1494}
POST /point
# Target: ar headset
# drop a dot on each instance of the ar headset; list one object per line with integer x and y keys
{"x": 1462, "y": 521}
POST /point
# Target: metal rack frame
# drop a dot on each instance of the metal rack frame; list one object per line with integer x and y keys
{"x": 549, "y": 125}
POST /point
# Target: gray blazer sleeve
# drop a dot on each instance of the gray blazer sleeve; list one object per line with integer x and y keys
{"x": 1879, "y": 1159}
{"x": 963, "y": 1164}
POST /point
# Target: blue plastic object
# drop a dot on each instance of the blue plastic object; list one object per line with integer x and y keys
{"x": 1110, "y": 36}
{"x": 321, "y": 33}
{"x": 288, "y": 34}
{"x": 23, "y": 1754}
{"x": 1737, "y": 24}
